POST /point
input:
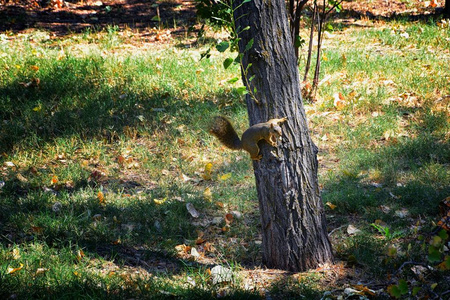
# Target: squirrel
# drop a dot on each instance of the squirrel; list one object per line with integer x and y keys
{"x": 269, "y": 131}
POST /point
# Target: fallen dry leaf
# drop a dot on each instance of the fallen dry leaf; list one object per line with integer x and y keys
{"x": 101, "y": 197}
{"x": 331, "y": 205}
{"x": 191, "y": 209}
{"x": 228, "y": 219}
{"x": 207, "y": 194}
{"x": 339, "y": 101}
{"x": 352, "y": 230}
{"x": 11, "y": 270}
{"x": 16, "y": 253}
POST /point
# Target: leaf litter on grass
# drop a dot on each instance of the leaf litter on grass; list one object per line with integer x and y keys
{"x": 124, "y": 174}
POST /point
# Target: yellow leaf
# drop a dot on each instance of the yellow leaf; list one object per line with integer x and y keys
{"x": 207, "y": 173}
{"x": 324, "y": 57}
{"x": 160, "y": 201}
{"x": 225, "y": 176}
{"x": 331, "y": 205}
{"x": 11, "y": 270}
{"x": 37, "y": 108}
{"x": 207, "y": 194}
{"x": 364, "y": 289}
{"x": 16, "y": 253}
{"x": 434, "y": 285}
{"x": 54, "y": 179}
{"x": 180, "y": 248}
{"x": 41, "y": 271}
{"x": 220, "y": 204}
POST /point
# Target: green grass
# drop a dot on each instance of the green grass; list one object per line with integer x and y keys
{"x": 100, "y": 156}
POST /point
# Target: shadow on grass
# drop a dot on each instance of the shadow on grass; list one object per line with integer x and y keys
{"x": 399, "y": 182}
{"x": 78, "y": 16}
{"x": 410, "y": 173}
{"x": 135, "y": 234}
{"x": 73, "y": 97}
{"x": 86, "y": 288}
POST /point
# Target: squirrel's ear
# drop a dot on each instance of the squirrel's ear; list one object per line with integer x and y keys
{"x": 271, "y": 125}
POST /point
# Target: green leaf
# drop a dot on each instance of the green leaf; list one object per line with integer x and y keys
{"x": 222, "y": 46}
{"x": 443, "y": 235}
{"x": 233, "y": 80}
{"x": 227, "y": 62}
{"x": 433, "y": 254}
{"x": 394, "y": 291}
{"x": 416, "y": 290}
{"x": 238, "y": 58}
{"x": 299, "y": 42}
{"x": 249, "y": 45}
{"x": 248, "y": 67}
{"x": 436, "y": 241}
{"x": 251, "y": 78}
{"x": 242, "y": 90}
{"x": 206, "y": 54}
{"x": 156, "y": 18}
{"x": 403, "y": 286}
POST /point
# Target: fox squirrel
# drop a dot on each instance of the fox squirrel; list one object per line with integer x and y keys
{"x": 269, "y": 131}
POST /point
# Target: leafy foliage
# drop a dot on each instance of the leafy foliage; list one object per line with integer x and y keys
{"x": 217, "y": 13}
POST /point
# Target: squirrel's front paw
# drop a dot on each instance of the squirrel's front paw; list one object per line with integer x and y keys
{"x": 257, "y": 157}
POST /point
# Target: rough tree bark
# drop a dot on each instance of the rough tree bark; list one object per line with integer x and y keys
{"x": 292, "y": 215}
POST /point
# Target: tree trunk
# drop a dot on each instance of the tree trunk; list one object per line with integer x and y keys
{"x": 447, "y": 8}
{"x": 295, "y": 11}
{"x": 292, "y": 215}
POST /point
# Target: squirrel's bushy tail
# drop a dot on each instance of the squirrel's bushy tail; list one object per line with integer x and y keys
{"x": 224, "y": 131}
